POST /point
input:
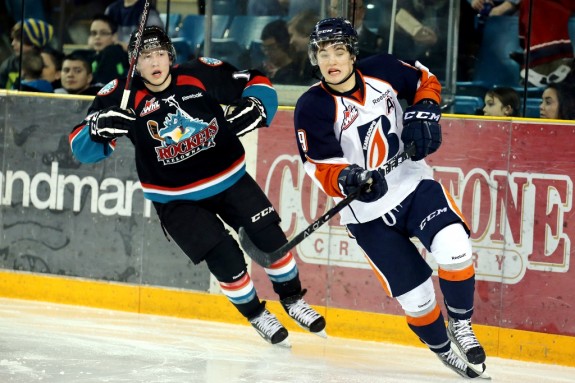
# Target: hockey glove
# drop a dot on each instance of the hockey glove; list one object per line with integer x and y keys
{"x": 246, "y": 115}
{"x": 110, "y": 123}
{"x": 370, "y": 184}
{"x": 421, "y": 126}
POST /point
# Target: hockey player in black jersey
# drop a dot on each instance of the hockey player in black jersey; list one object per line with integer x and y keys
{"x": 347, "y": 126}
{"x": 191, "y": 165}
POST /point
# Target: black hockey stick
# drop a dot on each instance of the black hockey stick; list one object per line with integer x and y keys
{"x": 134, "y": 59}
{"x": 266, "y": 259}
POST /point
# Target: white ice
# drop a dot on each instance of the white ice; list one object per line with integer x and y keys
{"x": 45, "y": 342}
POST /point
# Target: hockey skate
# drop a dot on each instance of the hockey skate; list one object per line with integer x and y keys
{"x": 268, "y": 326}
{"x": 305, "y": 316}
{"x": 455, "y": 362}
{"x": 462, "y": 335}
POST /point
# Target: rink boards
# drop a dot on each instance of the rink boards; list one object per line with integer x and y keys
{"x": 82, "y": 234}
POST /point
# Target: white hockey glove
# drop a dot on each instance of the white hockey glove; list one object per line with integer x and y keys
{"x": 246, "y": 115}
{"x": 421, "y": 126}
{"x": 110, "y": 123}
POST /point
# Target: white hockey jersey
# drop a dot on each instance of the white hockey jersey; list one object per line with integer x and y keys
{"x": 363, "y": 127}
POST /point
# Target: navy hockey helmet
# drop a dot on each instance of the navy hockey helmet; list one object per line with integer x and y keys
{"x": 337, "y": 30}
{"x": 152, "y": 38}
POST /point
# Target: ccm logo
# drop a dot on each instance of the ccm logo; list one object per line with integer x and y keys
{"x": 262, "y": 213}
{"x": 419, "y": 115}
{"x": 431, "y": 216}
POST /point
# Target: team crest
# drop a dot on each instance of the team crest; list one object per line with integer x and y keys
{"x": 349, "y": 116}
{"x": 182, "y": 136}
{"x": 210, "y": 61}
{"x": 108, "y": 88}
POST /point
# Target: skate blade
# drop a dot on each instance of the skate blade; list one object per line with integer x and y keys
{"x": 479, "y": 369}
{"x": 283, "y": 344}
{"x": 321, "y": 334}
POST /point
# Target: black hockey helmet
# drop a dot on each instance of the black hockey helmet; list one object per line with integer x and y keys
{"x": 152, "y": 38}
{"x": 337, "y": 30}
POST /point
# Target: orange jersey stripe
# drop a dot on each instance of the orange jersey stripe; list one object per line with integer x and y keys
{"x": 327, "y": 175}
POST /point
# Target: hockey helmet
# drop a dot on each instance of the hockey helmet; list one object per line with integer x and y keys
{"x": 153, "y": 37}
{"x": 337, "y": 30}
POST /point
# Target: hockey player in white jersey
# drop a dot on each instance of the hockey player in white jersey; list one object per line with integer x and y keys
{"x": 347, "y": 126}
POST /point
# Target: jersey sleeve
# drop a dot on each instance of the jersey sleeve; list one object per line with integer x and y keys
{"x": 227, "y": 84}
{"x": 411, "y": 80}
{"x": 318, "y": 145}
{"x": 84, "y": 149}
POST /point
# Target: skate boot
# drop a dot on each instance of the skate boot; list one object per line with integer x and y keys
{"x": 268, "y": 326}
{"x": 461, "y": 334}
{"x": 456, "y": 363}
{"x": 306, "y": 317}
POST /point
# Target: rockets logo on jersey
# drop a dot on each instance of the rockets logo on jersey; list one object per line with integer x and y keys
{"x": 377, "y": 142}
{"x": 349, "y": 116}
{"x": 182, "y": 136}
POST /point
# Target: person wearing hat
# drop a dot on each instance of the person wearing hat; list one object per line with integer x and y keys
{"x": 31, "y": 35}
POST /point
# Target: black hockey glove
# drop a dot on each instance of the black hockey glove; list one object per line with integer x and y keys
{"x": 370, "y": 183}
{"x": 246, "y": 115}
{"x": 110, "y": 123}
{"x": 421, "y": 126}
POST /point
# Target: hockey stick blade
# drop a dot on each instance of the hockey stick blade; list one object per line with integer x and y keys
{"x": 266, "y": 259}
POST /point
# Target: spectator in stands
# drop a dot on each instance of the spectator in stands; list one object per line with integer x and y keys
{"x": 558, "y": 102}
{"x": 35, "y": 35}
{"x": 109, "y": 60}
{"x": 52, "y": 70}
{"x": 369, "y": 43}
{"x": 77, "y": 76}
{"x": 32, "y": 81}
{"x": 299, "y": 28}
{"x": 421, "y": 33}
{"x": 502, "y": 102}
{"x": 126, "y": 14}
{"x": 278, "y": 64}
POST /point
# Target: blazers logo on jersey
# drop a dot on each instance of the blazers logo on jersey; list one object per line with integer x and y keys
{"x": 151, "y": 106}
{"x": 182, "y": 136}
{"x": 349, "y": 116}
{"x": 378, "y": 144}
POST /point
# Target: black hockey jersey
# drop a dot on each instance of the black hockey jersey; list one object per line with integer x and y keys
{"x": 183, "y": 146}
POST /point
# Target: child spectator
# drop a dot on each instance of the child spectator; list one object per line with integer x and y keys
{"x": 109, "y": 61}
{"x": 77, "y": 76}
{"x": 35, "y": 35}
{"x": 52, "y": 70}
{"x": 502, "y": 102}
{"x": 32, "y": 65}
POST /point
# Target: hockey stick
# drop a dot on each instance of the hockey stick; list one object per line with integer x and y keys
{"x": 266, "y": 259}
{"x": 134, "y": 59}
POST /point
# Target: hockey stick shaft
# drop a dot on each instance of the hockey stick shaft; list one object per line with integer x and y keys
{"x": 134, "y": 59}
{"x": 266, "y": 259}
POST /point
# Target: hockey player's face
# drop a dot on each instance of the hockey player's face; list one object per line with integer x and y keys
{"x": 154, "y": 66}
{"x": 336, "y": 63}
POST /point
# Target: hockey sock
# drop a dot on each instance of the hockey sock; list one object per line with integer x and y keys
{"x": 284, "y": 276}
{"x": 430, "y": 328}
{"x": 458, "y": 287}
